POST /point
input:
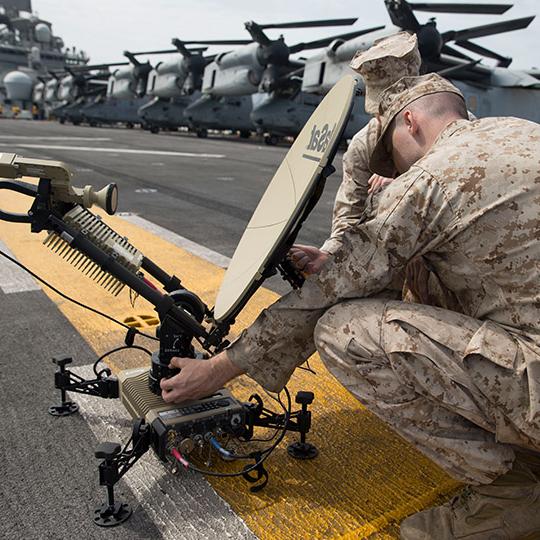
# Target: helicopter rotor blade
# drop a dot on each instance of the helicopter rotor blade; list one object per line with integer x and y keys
{"x": 460, "y": 67}
{"x": 184, "y": 51}
{"x": 98, "y": 66}
{"x": 487, "y": 29}
{"x": 326, "y": 41}
{"x": 401, "y": 14}
{"x": 168, "y": 51}
{"x": 481, "y": 9}
{"x": 503, "y": 61}
{"x": 220, "y": 42}
{"x": 450, "y": 51}
{"x": 163, "y": 51}
{"x": 310, "y": 24}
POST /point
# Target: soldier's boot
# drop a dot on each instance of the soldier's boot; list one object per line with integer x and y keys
{"x": 506, "y": 509}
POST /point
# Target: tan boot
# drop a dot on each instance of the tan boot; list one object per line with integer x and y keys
{"x": 506, "y": 509}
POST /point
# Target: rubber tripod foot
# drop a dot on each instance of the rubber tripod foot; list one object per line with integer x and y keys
{"x": 300, "y": 450}
{"x": 111, "y": 516}
{"x": 67, "y": 408}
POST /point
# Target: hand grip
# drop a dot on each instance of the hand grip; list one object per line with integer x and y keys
{"x": 19, "y": 187}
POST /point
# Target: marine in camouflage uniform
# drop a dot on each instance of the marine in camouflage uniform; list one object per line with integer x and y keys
{"x": 383, "y": 64}
{"x": 463, "y": 387}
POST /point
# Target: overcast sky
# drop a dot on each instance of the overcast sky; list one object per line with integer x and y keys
{"x": 105, "y": 28}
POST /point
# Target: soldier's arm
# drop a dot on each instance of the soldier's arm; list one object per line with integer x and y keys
{"x": 352, "y": 194}
{"x": 411, "y": 219}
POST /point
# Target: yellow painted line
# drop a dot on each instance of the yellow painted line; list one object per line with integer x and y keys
{"x": 365, "y": 480}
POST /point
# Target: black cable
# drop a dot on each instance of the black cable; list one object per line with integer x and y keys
{"x": 123, "y": 347}
{"x": 268, "y": 439}
{"x": 76, "y": 302}
{"x": 308, "y": 368}
{"x": 287, "y": 410}
{"x": 265, "y": 453}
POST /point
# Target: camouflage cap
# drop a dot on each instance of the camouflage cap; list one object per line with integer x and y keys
{"x": 384, "y": 63}
{"x": 392, "y": 101}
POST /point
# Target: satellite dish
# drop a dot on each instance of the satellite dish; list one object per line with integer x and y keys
{"x": 288, "y": 199}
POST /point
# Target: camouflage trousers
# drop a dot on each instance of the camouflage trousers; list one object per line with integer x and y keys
{"x": 416, "y": 367}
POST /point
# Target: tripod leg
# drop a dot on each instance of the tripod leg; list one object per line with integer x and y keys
{"x": 61, "y": 379}
{"x": 110, "y": 513}
{"x": 303, "y": 449}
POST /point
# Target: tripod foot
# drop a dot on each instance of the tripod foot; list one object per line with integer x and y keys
{"x": 65, "y": 409}
{"x": 111, "y": 516}
{"x": 302, "y": 450}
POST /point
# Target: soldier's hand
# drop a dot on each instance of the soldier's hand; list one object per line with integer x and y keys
{"x": 198, "y": 378}
{"x": 377, "y": 182}
{"x": 307, "y": 259}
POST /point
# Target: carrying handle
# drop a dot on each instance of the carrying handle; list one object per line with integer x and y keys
{"x": 19, "y": 187}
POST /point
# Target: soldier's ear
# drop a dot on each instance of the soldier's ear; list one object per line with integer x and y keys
{"x": 410, "y": 121}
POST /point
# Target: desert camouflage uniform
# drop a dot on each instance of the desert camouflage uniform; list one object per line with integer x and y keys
{"x": 353, "y": 205}
{"x": 352, "y": 202}
{"x": 462, "y": 387}
{"x": 383, "y": 64}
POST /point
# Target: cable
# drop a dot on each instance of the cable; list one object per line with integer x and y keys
{"x": 265, "y": 453}
{"x": 76, "y": 302}
{"x": 308, "y": 368}
{"x": 100, "y": 359}
{"x": 179, "y": 457}
{"x": 268, "y": 439}
{"x": 223, "y": 451}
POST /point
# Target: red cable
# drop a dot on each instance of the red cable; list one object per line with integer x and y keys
{"x": 178, "y": 456}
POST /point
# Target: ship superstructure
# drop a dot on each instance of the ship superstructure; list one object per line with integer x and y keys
{"x": 29, "y": 50}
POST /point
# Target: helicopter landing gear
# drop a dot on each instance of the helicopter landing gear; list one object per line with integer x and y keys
{"x": 202, "y": 133}
{"x": 271, "y": 140}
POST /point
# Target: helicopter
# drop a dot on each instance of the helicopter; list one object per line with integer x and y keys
{"x": 45, "y": 95}
{"x": 488, "y": 90}
{"x": 260, "y": 66}
{"x": 125, "y": 94}
{"x": 174, "y": 85}
{"x": 38, "y": 99}
{"x": 73, "y": 88}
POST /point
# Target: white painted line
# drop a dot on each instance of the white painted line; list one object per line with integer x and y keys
{"x": 185, "y": 506}
{"x": 38, "y": 138}
{"x": 146, "y": 190}
{"x": 198, "y": 250}
{"x": 14, "y": 279}
{"x": 226, "y": 178}
{"x": 121, "y": 150}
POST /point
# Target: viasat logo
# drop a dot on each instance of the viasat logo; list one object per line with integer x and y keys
{"x": 320, "y": 138}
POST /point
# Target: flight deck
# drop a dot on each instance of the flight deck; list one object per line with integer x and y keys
{"x": 185, "y": 206}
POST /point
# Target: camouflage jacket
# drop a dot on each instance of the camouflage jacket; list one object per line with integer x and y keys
{"x": 352, "y": 199}
{"x": 470, "y": 208}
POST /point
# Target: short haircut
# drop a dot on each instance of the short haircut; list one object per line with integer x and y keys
{"x": 440, "y": 104}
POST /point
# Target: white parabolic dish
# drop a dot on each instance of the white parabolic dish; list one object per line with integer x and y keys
{"x": 285, "y": 197}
